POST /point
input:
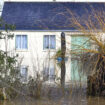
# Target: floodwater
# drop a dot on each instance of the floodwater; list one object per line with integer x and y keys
{"x": 77, "y": 101}
{"x": 77, "y": 96}
{"x": 96, "y": 101}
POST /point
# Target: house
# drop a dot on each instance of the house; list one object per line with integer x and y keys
{"x": 38, "y": 36}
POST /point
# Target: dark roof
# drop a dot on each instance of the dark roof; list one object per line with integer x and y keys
{"x": 45, "y": 15}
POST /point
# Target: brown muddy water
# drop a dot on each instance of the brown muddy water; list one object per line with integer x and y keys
{"x": 62, "y": 101}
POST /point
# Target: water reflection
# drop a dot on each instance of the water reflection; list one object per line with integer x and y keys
{"x": 96, "y": 100}
{"x": 75, "y": 97}
{"x": 71, "y": 101}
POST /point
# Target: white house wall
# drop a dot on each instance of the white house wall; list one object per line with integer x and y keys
{"x": 1, "y": 6}
{"x": 35, "y": 57}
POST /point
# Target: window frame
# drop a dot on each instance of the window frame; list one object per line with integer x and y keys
{"x": 23, "y": 49}
{"x": 49, "y": 46}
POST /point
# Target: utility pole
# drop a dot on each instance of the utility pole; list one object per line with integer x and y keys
{"x": 63, "y": 51}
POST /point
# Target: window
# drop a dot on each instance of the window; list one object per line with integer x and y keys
{"x": 49, "y": 72}
{"x": 49, "y": 42}
{"x": 24, "y": 73}
{"x": 21, "y": 42}
{"x": 52, "y": 74}
{"x": 46, "y": 73}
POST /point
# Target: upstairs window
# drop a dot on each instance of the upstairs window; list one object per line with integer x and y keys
{"x": 21, "y": 42}
{"x": 49, "y": 42}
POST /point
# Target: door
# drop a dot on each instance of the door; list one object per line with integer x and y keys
{"x": 78, "y": 43}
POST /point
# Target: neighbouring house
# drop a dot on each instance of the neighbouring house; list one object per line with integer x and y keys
{"x": 38, "y": 36}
